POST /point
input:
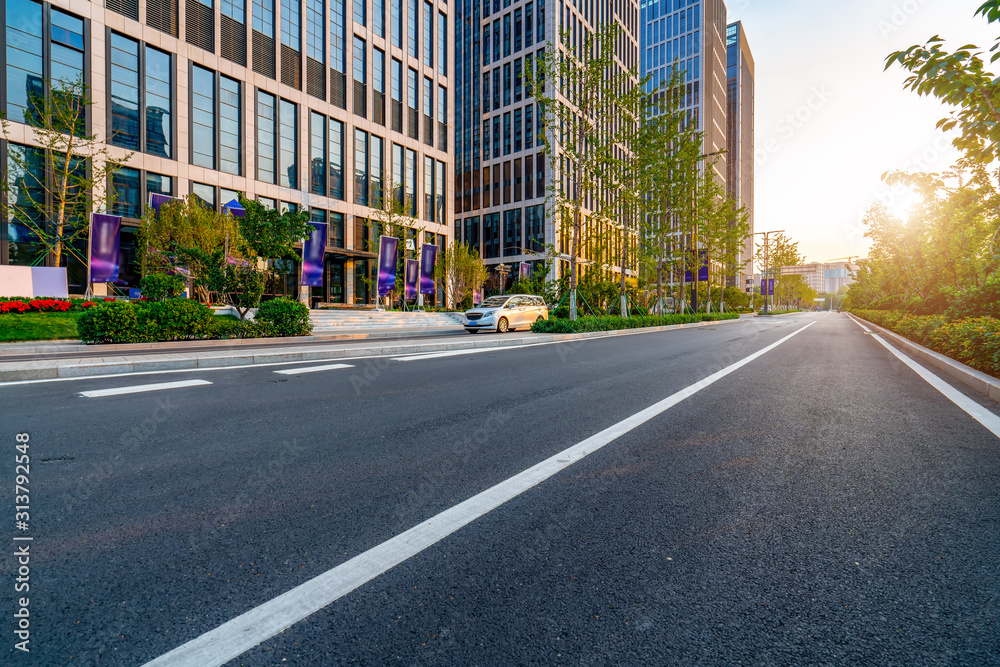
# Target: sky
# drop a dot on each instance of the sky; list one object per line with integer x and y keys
{"x": 830, "y": 122}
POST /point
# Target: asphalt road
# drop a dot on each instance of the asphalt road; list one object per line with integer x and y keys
{"x": 821, "y": 504}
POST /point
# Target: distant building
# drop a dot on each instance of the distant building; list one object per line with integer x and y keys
{"x": 823, "y": 277}
{"x": 739, "y": 135}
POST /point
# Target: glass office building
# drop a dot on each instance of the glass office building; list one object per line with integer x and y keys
{"x": 293, "y": 102}
{"x": 740, "y": 132}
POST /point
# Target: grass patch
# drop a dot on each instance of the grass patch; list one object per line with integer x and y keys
{"x": 38, "y": 326}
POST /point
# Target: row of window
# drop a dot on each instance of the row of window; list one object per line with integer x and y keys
{"x": 515, "y": 84}
{"x": 524, "y": 136}
{"x": 672, "y": 50}
{"x": 508, "y": 234}
{"x": 514, "y": 26}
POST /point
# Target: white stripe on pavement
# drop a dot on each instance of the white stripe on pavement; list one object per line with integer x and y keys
{"x": 313, "y": 369}
{"x": 985, "y": 417}
{"x": 458, "y": 353}
{"x": 242, "y": 633}
{"x": 139, "y": 388}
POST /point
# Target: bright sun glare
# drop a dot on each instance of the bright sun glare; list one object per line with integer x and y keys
{"x": 899, "y": 201}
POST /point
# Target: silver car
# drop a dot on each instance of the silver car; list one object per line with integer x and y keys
{"x": 505, "y": 313}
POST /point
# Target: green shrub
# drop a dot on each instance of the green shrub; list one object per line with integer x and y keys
{"x": 160, "y": 286}
{"x": 978, "y": 302}
{"x": 178, "y": 319}
{"x": 284, "y": 317}
{"x": 615, "y": 323}
{"x": 111, "y": 322}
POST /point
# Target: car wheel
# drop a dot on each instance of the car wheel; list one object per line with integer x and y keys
{"x": 503, "y": 325}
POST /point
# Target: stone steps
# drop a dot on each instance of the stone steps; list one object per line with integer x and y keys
{"x": 324, "y": 321}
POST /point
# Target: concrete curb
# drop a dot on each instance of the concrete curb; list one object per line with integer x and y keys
{"x": 987, "y": 385}
{"x": 54, "y": 369}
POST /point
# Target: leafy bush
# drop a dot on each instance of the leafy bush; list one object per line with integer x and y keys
{"x": 178, "y": 319}
{"x": 160, "y": 286}
{"x": 286, "y": 317}
{"x": 974, "y": 341}
{"x": 981, "y": 301}
{"x": 111, "y": 322}
{"x": 615, "y": 323}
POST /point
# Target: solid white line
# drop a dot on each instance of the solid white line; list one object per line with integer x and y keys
{"x": 458, "y": 353}
{"x": 139, "y": 388}
{"x": 242, "y": 633}
{"x": 985, "y": 417}
{"x": 313, "y": 369}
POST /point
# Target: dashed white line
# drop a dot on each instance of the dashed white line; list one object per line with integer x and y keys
{"x": 313, "y": 369}
{"x": 242, "y": 633}
{"x": 139, "y": 388}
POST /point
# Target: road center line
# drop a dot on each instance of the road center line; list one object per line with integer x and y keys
{"x": 139, "y": 388}
{"x": 973, "y": 409}
{"x": 249, "y": 629}
{"x": 313, "y": 369}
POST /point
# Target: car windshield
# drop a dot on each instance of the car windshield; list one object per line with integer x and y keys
{"x": 494, "y": 302}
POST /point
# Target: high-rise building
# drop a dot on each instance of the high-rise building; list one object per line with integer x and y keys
{"x": 739, "y": 135}
{"x": 311, "y": 104}
{"x": 501, "y": 172}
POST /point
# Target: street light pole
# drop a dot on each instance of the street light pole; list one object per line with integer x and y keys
{"x": 764, "y": 283}
{"x": 696, "y": 273}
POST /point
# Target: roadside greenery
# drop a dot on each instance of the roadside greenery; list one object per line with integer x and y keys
{"x": 185, "y": 319}
{"x": 39, "y": 326}
{"x": 615, "y": 323}
{"x": 974, "y": 341}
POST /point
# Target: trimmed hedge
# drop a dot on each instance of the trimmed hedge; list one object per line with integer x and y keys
{"x": 974, "y": 341}
{"x": 286, "y": 317}
{"x": 615, "y": 323}
{"x": 182, "y": 319}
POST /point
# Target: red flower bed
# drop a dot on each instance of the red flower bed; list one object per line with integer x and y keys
{"x": 14, "y": 307}
{"x": 50, "y": 305}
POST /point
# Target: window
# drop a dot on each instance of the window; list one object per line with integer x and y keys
{"x": 413, "y": 91}
{"x": 128, "y": 196}
{"x": 159, "y": 184}
{"x": 66, "y": 47}
{"x": 360, "y": 167}
{"x": 128, "y": 97}
{"x": 24, "y": 58}
{"x": 496, "y": 136}
{"x": 235, "y": 9}
{"x": 361, "y": 12}
{"x": 529, "y": 136}
{"x": 287, "y": 175}
{"x": 428, "y": 34}
{"x": 397, "y": 174}
{"x": 230, "y": 126}
{"x": 506, "y": 35}
{"x": 428, "y": 189}
{"x": 541, "y": 22}
{"x": 397, "y": 23}
{"x": 517, "y": 29}
{"x": 428, "y": 98}
{"x": 204, "y": 192}
{"x": 378, "y": 7}
{"x": 486, "y": 93}
{"x": 376, "y": 171}
{"x": 338, "y": 36}
{"x": 335, "y": 233}
{"x": 317, "y": 153}
{"x": 315, "y": 34}
{"x": 512, "y": 232}
{"x": 486, "y": 44}
{"x": 439, "y": 193}
{"x": 266, "y": 129}
{"x": 291, "y": 24}
{"x": 263, "y": 17}
{"x": 360, "y": 60}
{"x": 336, "y": 159}
{"x": 413, "y": 24}
{"x": 529, "y": 25}
{"x": 411, "y": 181}
{"x": 534, "y": 229}
{"x": 397, "y": 80}
{"x": 496, "y": 88}
{"x": 506, "y": 133}
{"x": 517, "y": 80}
{"x": 202, "y": 117}
{"x": 517, "y": 130}
{"x": 378, "y": 70}
{"x": 442, "y": 105}
{"x": 506, "y": 84}
{"x": 442, "y": 43}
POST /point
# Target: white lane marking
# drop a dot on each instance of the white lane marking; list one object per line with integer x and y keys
{"x": 313, "y": 369}
{"x": 139, "y": 388}
{"x": 249, "y": 629}
{"x": 982, "y": 415}
{"x": 457, "y": 353}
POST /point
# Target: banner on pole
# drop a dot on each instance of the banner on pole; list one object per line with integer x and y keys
{"x": 104, "y": 251}
{"x": 410, "y": 279}
{"x": 767, "y": 287}
{"x": 525, "y": 271}
{"x": 312, "y": 256}
{"x": 428, "y": 256}
{"x": 702, "y": 270}
{"x": 156, "y": 200}
{"x": 386, "y": 264}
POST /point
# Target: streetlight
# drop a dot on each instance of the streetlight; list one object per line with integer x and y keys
{"x": 765, "y": 284}
{"x": 696, "y": 273}
{"x": 503, "y": 270}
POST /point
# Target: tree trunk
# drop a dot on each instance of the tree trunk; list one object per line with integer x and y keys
{"x": 621, "y": 266}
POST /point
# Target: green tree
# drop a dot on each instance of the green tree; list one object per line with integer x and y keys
{"x": 393, "y": 217}
{"x": 54, "y": 185}
{"x": 578, "y": 90}
{"x": 462, "y": 271}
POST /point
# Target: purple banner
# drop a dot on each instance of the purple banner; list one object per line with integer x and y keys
{"x": 525, "y": 273}
{"x": 156, "y": 200}
{"x": 104, "y": 232}
{"x": 428, "y": 256}
{"x": 235, "y": 209}
{"x": 312, "y": 256}
{"x": 410, "y": 279}
{"x": 702, "y": 270}
{"x": 387, "y": 264}
{"x": 767, "y": 287}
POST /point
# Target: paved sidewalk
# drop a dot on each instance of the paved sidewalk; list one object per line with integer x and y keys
{"x": 136, "y": 359}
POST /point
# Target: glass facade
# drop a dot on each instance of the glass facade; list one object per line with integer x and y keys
{"x": 24, "y": 57}
{"x": 315, "y": 30}
{"x": 360, "y": 167}
{"x": 317, "y": 153}
{"x": 128, "y": 97}
{"x": 338, "y": 35}
{"x": 125, "y": 127}
{"x": 263, "y": 17}
{"x": 288, "y": 146}
{"x": 230, "y": 126}
{"x": 291, "y": 24}
{"x": 336, "y": 159}
{"x": 266, "y": 136}
{"x": 376, "y": 168}
{"x": 128, "y": 194}
{"x": 202, "y": 117}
